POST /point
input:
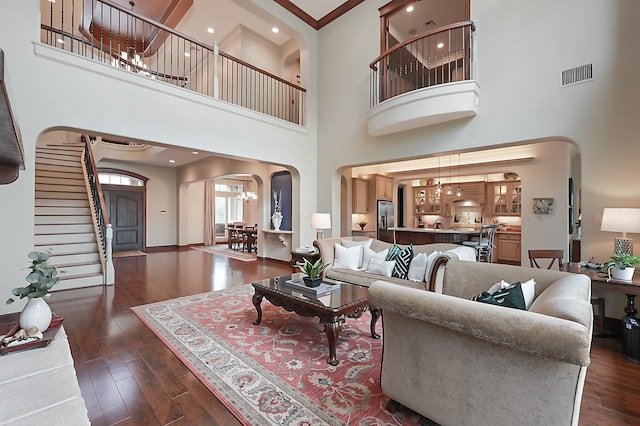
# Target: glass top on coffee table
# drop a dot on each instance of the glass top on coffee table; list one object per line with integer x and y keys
{"x": 335, "y": 294}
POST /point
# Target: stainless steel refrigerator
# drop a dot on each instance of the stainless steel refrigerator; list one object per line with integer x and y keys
{"x": 385, "y": 221}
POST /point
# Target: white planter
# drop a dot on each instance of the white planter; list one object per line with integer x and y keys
{"x": 38, "y": 313}
{"x": 621, "y": 274}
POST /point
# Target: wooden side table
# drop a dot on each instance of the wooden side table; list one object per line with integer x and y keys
{"x": 298, "y": 257}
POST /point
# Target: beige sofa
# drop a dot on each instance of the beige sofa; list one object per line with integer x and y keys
{"x": 461, "y": 362}
{"x": 326, "y": 249}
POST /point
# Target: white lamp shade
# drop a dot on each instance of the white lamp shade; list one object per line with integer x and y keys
{"x": 621, "y": 220}
{"x": 321, "y": 220}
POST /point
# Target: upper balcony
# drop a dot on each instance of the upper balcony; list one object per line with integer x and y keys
{"x": 427, "y": 79}
{"x": 109, "y": 33}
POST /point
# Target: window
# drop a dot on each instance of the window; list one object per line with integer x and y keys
{"x": 229, "y": 207}
{"x": 111, "y": 178}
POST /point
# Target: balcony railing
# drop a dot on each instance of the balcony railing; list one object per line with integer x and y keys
{"x": 440, "y": 56}
{"x": 108, "y": 33}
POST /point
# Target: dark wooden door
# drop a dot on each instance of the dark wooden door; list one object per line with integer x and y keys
{"x": 126, "y": 215}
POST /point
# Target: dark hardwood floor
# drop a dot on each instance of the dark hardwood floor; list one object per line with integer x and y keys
{"x": 128, "y": 377}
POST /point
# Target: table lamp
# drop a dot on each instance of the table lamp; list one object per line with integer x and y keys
{"x": 320, "y": 221}
{"x": 621, "y": 220}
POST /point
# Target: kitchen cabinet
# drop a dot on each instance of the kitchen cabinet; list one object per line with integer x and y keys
{"x": 427, "y": 201}
{"x": 360, "y": 195}
{"x": 508, "y": 248}
{"x": 506, "y": 198}
{"x": 384, "y": 188}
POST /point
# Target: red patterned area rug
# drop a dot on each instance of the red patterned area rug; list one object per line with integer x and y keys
{"x": 275, "y": 372}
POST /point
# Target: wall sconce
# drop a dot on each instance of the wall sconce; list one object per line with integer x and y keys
{"x": 621, "y": 220}
{"x": 320, "y": 221}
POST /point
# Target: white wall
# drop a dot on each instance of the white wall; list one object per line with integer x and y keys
{"x": 195, "y": 220}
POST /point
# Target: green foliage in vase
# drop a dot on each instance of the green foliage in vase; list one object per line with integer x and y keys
{"x": 622, "y": 261}
{"x": 41, "y": 278}
{"x": 312, "y": 270}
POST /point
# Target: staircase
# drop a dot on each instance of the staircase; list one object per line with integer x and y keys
{"x": 63, "y": 221}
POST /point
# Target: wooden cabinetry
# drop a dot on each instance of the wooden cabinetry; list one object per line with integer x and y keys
{"x": 506, "y": 198}
{"x": 359, "y": 233}
{"x": 426, "y": 200}
{"x": 384, "y": 188}
{"x": 360, "y": 195}
{"x": 508, "y": 248}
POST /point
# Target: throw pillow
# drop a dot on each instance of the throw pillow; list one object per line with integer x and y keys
{"x": 368, "y": 254}
{"x": 363, "y": 243}
{"x": 417, "y": 267}
{"x": 528, "y": 290}
{"x": 430, "y": 260}
{"x": 381, "y": 267}
{"x": 510, "y": 297}
{"x": 403, "y": 259}
{"x": 347, "y": 258}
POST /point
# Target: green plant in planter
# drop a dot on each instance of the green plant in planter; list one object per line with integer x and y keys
{"x": 312, "y": 270}
{"x": 362, "y": 224}
{"x": 622, "y": 261}
{"x": 41, "y": 278}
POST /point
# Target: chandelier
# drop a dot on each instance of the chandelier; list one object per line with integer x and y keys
{"x": 248, "y": 196}
{"x": 129, "y": 59}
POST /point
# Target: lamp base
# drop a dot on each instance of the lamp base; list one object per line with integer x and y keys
{"x": 319, "y": 235}
{"x": 623, "y": 246}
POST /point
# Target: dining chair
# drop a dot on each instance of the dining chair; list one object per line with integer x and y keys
{"x": 550, "y": 255}
{"x": 484, "y": 244}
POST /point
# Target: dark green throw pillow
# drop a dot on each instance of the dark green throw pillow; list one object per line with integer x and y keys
{"x": 510, "y": 297}
{"x": 403, "y": 259}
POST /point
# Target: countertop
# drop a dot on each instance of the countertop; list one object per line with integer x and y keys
{"x": 438, "y": 231}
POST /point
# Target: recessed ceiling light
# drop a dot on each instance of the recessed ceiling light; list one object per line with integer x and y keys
{"x": 440, "y": 45}
{"x": 187, "y": 54}
{"x": 409, "y": 8}
{"x": 210, "y": 30}
{"x": 172, "y": 161}
{"x": 275, "y": 30}
{"x": 195, "y": 152}
{"x": 52, "y": 1}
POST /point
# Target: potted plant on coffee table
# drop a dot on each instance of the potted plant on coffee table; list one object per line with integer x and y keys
{"x": 621, "y": 266}
{"x": 312, "y": 272}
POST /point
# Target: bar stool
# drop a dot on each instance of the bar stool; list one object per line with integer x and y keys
{"x": 484, "y": 245}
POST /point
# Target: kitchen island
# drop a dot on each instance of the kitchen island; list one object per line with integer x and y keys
{"x": 429, "y": 235}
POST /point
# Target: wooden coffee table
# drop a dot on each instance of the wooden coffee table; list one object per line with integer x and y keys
{"x": 332, "y": 309}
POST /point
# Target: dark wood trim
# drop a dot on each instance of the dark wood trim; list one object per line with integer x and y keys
{"x": 122, "y": 172}
{"x": 326, "y": 19}
{"x": 11, "y": 151}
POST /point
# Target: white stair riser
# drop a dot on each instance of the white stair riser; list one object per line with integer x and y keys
{"x": 74, "y": 258}
{"x": 60, "y": 188}
{"x": 61, "y": 202}
{"x": 64, "y": 229}
{"x": 62, "y": 249}
{"x": 42, "y": 240}
{"x": 60, "y": 211}
{"x": 80, "y": 282}
{"x": 89, "y": 268}
{"x": 61, "y": 195}
{"x": 51, "y": 220}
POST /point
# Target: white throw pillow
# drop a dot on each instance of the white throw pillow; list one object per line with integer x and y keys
{"x": 363, "y": 243}
{"x": 347, "y": 258}
{"x": 528, "y": 290}
{"x": 417, "y": 267}
{"x": 368, "y": 254}
{"x": 430, "y": 260}
{"x": 381, "y": 267}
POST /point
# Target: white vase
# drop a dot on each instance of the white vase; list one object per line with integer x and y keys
{"x": 38, "y": 313}
{"x": 276, "y": 220}
{"x": 621, "y": 274}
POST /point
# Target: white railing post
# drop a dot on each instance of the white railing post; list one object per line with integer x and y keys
{"x": 109, "y": 270}
{"x": 216, "y": 51}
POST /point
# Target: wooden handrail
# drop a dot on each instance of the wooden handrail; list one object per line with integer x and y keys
{"x": 103, "y": 207}
{"x": 426, "y": 34}
{"x": 197, "y": 43}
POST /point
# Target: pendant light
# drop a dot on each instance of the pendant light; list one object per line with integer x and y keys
{"x": 438, "y": 186}
{"x": 449, "y": 189}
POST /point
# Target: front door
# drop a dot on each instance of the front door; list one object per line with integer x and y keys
{"x": 126, "y": 214}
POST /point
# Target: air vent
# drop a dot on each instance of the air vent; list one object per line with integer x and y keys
{"x": 577, "y": 75}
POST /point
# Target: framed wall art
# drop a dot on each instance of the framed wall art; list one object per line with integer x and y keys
{"x": 542, "y": 205}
